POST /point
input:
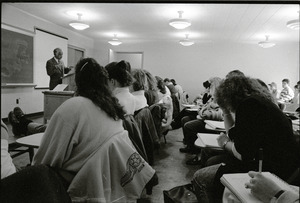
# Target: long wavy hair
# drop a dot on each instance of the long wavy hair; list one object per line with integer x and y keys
{"x": 233, "y": 90}
{"x": 120, "y": 72}
{"x": 151, "y": 81}
{"x": 140, "y": 80}
{"x": 92, "y": 82}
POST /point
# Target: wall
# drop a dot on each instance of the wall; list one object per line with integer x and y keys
{"x": 191, "y": 66}
{"x": 32, "y": 100}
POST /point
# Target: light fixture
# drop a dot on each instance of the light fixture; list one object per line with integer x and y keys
{"x": 186, "y": 41}
{"x": 115, "y": 41}
{"x": 79, "y": 25}
{"x": 266, "y": 43}
{"x": 180, "y": 23}
{"x": 293, "y": 24}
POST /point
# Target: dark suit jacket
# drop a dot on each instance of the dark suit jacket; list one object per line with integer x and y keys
{"x": 55, "y": 71}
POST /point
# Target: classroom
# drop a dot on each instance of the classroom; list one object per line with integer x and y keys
{"x": 259, "y": 39}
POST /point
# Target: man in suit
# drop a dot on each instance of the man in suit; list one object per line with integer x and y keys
{"x": 56, "y": 68}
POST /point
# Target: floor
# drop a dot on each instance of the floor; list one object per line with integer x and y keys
{"x": 169, "y": 165}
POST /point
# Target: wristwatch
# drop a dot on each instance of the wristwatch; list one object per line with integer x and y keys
{"x": 276, "y": 196}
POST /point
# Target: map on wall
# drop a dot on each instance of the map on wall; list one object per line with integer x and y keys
{"x": 16, "y": 57}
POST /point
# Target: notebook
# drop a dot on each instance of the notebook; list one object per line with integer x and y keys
{"x": 217, "y": 125}
{"x": 236, "y": 184}
{"x": 208, "y": 140}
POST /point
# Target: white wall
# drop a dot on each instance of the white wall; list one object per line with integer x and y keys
{"x": 32, "y": 100}
{"x": 191, "y": 66}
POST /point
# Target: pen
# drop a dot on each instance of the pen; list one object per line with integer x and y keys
{"x": 260, "y": 157}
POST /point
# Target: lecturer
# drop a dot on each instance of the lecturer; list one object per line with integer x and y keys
{"x": 56, "y": 68}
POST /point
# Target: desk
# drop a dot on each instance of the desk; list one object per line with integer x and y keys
{"x": 52, "y": 100}
{"x": 33, "y": 141}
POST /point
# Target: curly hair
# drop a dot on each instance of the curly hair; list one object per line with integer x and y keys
{"x": 120, "y": 72}
{"x": 140, "y": 80}
{"x": 92, "y": 82}
{"x": 233, "y": 90}
{"x": 151, "y": 81}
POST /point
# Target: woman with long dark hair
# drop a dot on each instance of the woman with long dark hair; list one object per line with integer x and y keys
{"x": 88, "y": 146}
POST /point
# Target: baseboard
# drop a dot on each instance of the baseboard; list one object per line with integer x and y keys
{"x": 30, "y": 115}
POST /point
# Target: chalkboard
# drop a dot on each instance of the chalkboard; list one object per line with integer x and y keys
{"x": 16, "y": 57}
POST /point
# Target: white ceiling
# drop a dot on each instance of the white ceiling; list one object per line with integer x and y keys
{"x": 136, "y": 22}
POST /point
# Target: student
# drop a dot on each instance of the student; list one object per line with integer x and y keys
{"x": 88, "y": 146}
{"x": 7, "y": 166}
{"x": 273, "y": 90}
{"x": 151, "y": 93}
{"x": 119, "y": 81}
{"x": 22, "y": 126}
{"x": 139, "y": 86}
{"x": 259, "y": 123}
{"x": 268, "y": 191}
{"x": 210, "y": 111}
{"x": 286, "y": 94}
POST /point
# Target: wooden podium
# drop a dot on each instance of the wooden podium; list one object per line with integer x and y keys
{"x": 52, "y": 100}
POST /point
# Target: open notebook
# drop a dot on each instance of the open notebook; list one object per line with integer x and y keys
{"x": 208, "y": 140}
{"x": 216, "y": 125}
{"x": 236, "y": 184}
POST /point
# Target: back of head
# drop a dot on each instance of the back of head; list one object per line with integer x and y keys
{"x": 120, "y": 72}
{"x": 235, "y": 73}
{"x": 166, "y": 80}
{"x": 140, "y": 80}
{"x": 286, "y": 80}
{"x": 161, "y": 85}
{"x": 92, "y": 82}
{"x": 235, "y": 89}
{"x": 206, "y": 84}
{"x": 151, "y": 81}
{"x": 214, "y": 84}
{"x": 173, "y": 81}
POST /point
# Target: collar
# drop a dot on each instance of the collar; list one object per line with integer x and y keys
{"x": 120, "y": 90}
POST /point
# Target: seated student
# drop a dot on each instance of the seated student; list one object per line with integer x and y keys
{"x": 268, "y": 191}
{"x": 200, "y": 100}
{"x": 7, "y": 166}
{"x": 259, "y": 123}
{"x": 210, "y": 111}
{"x": 273, "y": 90}
{"x": 88, "y": 146}
{"x": 119, "y": 81}
{"x": 170, "y": 86}
{"x": 22, "y": 126}
{"x": 178, "y": 88}
{"x": 286, "y": 94}
{"x": 165, "y": 99}
{"x": 138, "y": 88}
{"x": 151, "y": 93}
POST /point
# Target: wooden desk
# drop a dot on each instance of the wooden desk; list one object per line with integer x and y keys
{"x": 52, "y": 100}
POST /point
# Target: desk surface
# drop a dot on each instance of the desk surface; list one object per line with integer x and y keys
{"x": 31, "y": 140}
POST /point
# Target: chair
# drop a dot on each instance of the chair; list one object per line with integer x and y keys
{"x": 34, "y": 184}
{"x": 135, "y": 136}
{"x": 158, "y": 113}
{"x": 146, "y": 125}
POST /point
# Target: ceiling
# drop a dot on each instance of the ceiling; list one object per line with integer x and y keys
{"x": 211, "y": 22}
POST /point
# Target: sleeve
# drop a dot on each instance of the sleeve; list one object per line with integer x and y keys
{"x": 288, "y": 197}
{"x": 57, "y": 143}
{"x": 247, "y": 133}
{"x": 50, "y": 67}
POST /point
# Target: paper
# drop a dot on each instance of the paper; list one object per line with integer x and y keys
{"x": 215, "y": 124}
{"x": 60, "y": 87}
{"x": 236, "y": 184}
{"x": 209, "y": 140}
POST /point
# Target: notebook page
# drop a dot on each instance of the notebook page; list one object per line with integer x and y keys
{"x": 215, "y": 124}
{"x": 209, "y": 140}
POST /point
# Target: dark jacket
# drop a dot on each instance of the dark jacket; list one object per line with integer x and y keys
{"x": 56, "y": 72}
